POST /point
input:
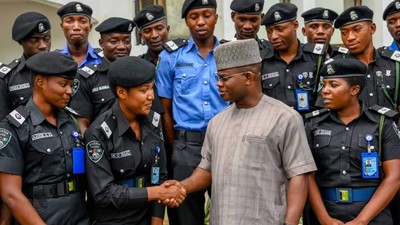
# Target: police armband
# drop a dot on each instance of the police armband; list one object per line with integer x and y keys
{"x": 173, "y": 45}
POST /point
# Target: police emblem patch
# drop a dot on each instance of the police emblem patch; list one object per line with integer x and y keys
{"x": 94, "y": 151}
{"x": 130, "y": 27}
{"x": 78, "y": 8}
{"x": 257, "y": 7}
{"x": 397, "y": 4}
{"x": 353, "y": 15}
{"x": 40, "y": 27}
{"x": 325, "y": 14}
{"x": 5, "y": 137}
{"x": 204, "y": 2}
{"x": 75, "y": 86}
{"x": 330, "y": 69}
{"x": 277, "y": 16}
{"x": 149, "y": 16}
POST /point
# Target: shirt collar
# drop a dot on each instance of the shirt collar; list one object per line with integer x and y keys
{"x": 122, "y": 123}
{"x": 191, "y": 44}
{"x": 364, "y": 113}
{"x": 37, "y": 115}
{"x": 89, "y": 53}
{"x": 22, "y": 63}
{"x": 394, "y": 46}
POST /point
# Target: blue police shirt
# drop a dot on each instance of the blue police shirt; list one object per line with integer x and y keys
{"x": 190, "y": 81}
{"x": 394, "y": 46}
{"x": 91, "y": 56}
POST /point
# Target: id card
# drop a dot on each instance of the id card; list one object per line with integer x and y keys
{"x": 155, "y": 175}
{"x": 303, "y": 103}
{"x": 370, "y": 168}
{"x": 78, "y": 160}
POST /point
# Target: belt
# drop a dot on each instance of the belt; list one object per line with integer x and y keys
{"x": 347, "y": 195}
{"x": 51, "y": 190}
{"x": 192, "y": 136}
{"x": 139, "y": 182}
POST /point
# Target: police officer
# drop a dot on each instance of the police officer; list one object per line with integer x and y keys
{"x": 32, "y": 31}
{"x": 76, "y": 25}
{"x": 392, "y": 17}
{"x": 382, "y": 78}
{"x": 125, "y": 157}
{"x": 187, "y": 87}
{"x": 353, "y": 147}
{"x": 289, "y": 69}
{"x": 247, "y": 15}
{"x": 92, "y": 95}
{"x": 153, "y": 29}
{"x": 318, "y": 28}
{"x": 41, "y": 157}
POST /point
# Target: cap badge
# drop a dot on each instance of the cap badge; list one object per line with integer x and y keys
{"x": 130, "y": 27}
{"x": 325, "y": 14}
{"x": 149, "y": 16}
{"x": 397, "y": 4}
{"x": 277, "y": 16}
{"x": 353, "y": 15}
{"x": 78, "y": 8}
{"x": 330, "y": 70}
{"x": 40, "y": 27}
{"x": 204, "y": 2}
{"x": 257, "y": 7}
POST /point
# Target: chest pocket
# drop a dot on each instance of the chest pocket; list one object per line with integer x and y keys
{"x": 321, "y": 142}
{"x": 253, "y": 155}
{"x": 270, "y": 80}
{"x": 20, "y": 97}
{"x": 102, "y": 96}
{"x": 185, "y": 79}
{"x": 50, "y": 154}
{"x": 123, "y": 164}
{"x": 363, "y": 144}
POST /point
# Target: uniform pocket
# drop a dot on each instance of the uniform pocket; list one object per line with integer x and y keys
{"x": 51, "y": 155}
{"x": 185, "y": 80}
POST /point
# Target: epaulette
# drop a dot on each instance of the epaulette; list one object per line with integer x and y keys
{"x": 223, "y": 41}
{"x": 173, "y": 45}
{"x": 390, "y": 54}
{"x": 108, "y": 126}
{"x": 343, "y": 50}
{"x": 71, "y": 111}
{"x": 155, "y": 119}
{"x": 5, "y": 69}
{"x": 316, "y": 113}
{"x": 99, "y": 52}
{"x": 87, "y": 71}
{"x": 317, "y": 49}
{"x": 384, "y": 111}
{"x": 18, "y": 116}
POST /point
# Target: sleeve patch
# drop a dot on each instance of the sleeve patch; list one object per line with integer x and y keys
{"x": 5, "y": 137}
{"x": 94, "y": 151}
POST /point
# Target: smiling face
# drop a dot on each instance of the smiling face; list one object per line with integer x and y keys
{"x": 201, "y": 23}
{"x": 155, "y": 35}
{"x": 76, "y": 29}
{"x": 115, "y": 45}
{"x": 53, "y": 90}
{"x": 136, "y": 100}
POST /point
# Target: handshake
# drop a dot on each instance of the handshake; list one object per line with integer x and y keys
{"x": 171, "y": 193}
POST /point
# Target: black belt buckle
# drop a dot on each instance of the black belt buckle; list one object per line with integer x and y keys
{"x": 344, "y": 195}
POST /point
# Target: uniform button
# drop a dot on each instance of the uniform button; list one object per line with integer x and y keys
{"x": 205, "y": 82}
{"x": 61, "y": 132}
{"x": 67, "y": 152}
{"x": 270, "y": 85}
{"x": 122, "y": 171}
{"x": 206, "y": 64}
{"x": 21, "y": 98}
{"x": 287, "y": 70}
{"x": 145, "y": 165}
{"x": 289, "y": 87}
{"x": 344, "y": 172}
{"x": 102, "y": 99}
{"x": 371, "y": 94}
{"x": 308, "y": 82}
{"x": 387, "y": 86}
{"x": 184, "y": 75}
{"x": 317, "y": 145}
{"x": 343, "y": 148}
{"x": 372, "y": 147}
{"x": 368, "y": 76}
{"x": 347, "y": 128}
{"x": 48, "y": 150}
{"x": 114, "y": 117}
{"x": 205, "y": 103}
{"x": 68, "y": 175}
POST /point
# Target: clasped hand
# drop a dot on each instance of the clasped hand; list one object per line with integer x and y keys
{"x": 173, "y": 193}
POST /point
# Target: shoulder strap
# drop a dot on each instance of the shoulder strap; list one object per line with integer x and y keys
{"x": 173, "y": 45}
{"x": 317, "y": 49}
{"x": 108, "y": 126}
{"x": 316, "y": 113}
{"x": 99, "y": 52}
{"x": 87, "y": 71}
{"x": 5, "y": 69}
{"x": 384, "y": 111}
{"x": 18, "y": 116}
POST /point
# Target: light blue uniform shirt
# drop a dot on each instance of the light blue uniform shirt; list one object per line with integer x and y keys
{"x": 394, "y": 46}
{"x": 91, "y": 56}
{"x": 190, "y": 81}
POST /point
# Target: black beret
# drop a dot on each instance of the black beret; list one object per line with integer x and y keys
{"x": 52, "y": 64}
{"x": 392, "y": 8}
{"x": 354, "y": 14}
{"x": 343, "y": 68}
{"x": 130, "y": 71}
{"x": 279, "y": 13}
{"x": 149, "y": 15}
{"x": 115, "y": 25}
{"x": 74, "y": 8}
{"x": 28, "y": 24}
{"x": 319, "y": 14}
{"x": 197, "y": 4}
{"x": 247, "y": 6}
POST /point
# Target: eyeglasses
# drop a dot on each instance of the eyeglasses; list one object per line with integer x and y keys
{"x": 226, "y": 78}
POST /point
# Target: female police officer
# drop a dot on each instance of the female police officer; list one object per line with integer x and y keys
{"x": 356, "y": 151}
{"x": 40, "y": 157}
{"x": 125, "y": 157}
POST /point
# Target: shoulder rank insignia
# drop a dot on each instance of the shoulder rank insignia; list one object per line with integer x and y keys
{"x": 18, "y": 116}
{"x": 316, "y": 113}
{"x": 73, "y": 112}
{"x": 156, "y": 119}
{"x": 384, "y": 111}
{"x": 87, "y": 71}
{"x": 173, "y": 45}
{"x": 387, "y": 53}
{"x": 108, "y": 126}
{"x": 317, "y": 49}
{"x": 5, "y": 69}
{"x": 99, "y": 52}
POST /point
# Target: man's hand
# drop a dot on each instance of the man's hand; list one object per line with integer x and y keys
{"x": 180, "y": 193}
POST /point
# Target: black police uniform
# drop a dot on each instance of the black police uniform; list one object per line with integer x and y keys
{"x": 337, "y": 152}
{"x": 118, "y": 174}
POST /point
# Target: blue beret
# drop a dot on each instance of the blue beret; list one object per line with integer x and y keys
{"x": 319, "y": 14}
{"x": 149, "y": 15}
{"x": 247, "y": 6}
{"x": 279, "y": 13}
{"x": 197, "y": 4}
{"x": 28, "y": 24}
{"x": 115, "y": 25}
{"x": 343, "y": 68}
{"x": 393, "y": 7}
{"x": 354, "y": 14}
{"x": 74, "y": 8}
{"x": 130, "y": 71}
{"x": 52, "y": 64}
